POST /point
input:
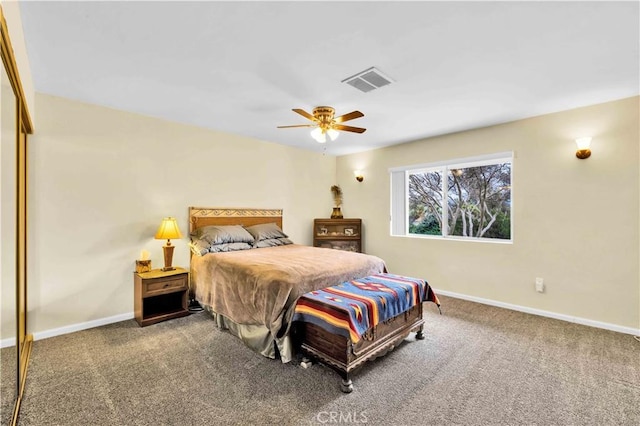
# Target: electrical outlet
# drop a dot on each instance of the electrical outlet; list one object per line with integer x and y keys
{"x": 539, "y": 285}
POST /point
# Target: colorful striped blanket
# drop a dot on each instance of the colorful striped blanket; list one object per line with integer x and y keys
{"x": 351, "y": 308}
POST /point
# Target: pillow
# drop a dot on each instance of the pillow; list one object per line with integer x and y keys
{"x": 217, "y": 234}
{"x": 199, "y": 247}
{"x": 266, "y": 231}
{"x": 272, "y": 242}
{"x": 217, "y": 248}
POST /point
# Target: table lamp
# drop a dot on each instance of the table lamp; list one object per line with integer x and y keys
{"x": 168, "y": 230}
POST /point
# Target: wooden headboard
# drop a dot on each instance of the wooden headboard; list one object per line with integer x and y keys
{"x": 206, "y": 216}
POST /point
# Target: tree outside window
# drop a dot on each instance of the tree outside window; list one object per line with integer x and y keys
{"x": 478, "y": 201}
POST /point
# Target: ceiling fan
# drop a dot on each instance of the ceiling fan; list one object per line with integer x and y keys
{"x": 324, "y": 122}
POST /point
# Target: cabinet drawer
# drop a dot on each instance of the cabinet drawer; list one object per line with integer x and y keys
{"x": 163, "y": 285}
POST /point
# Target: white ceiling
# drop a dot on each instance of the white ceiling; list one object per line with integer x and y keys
{"x": 241, "y": 67}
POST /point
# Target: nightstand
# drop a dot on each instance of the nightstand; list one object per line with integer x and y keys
{"x": 160, "y": 295}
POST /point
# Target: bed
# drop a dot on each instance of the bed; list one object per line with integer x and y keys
{"x": 253, "y": 292}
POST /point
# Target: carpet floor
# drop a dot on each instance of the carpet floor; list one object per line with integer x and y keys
{"x": 479, "y": 365}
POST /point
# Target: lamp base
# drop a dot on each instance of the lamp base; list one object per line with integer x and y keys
{"x": 168, "y": 256}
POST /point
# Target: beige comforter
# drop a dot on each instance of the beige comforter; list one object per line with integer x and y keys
{"x": 260, "y": 286}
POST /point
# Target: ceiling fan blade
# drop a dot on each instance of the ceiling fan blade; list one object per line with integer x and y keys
{"x": 349, "y": 128}
{"x": 350, "y": 116}
{"x": 304, "y": 113}
{"x": 297, "y": 125}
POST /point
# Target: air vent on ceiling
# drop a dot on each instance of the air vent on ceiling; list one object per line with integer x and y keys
{"x": 368, "y": 80}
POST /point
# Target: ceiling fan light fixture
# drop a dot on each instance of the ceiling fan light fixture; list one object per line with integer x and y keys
{"x": 324, "y": 122}
{"x": 319, "y": 135}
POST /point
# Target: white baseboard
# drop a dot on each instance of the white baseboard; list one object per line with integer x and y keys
{"x": 82, "y": 326}
{"x": 562, "y": 317}
{"x": 11, "y": 341}
{"x": 5, "y": 343}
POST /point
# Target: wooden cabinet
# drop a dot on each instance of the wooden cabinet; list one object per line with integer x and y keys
{"x": 341, "y": 234}
{"x": 160, "y": 295}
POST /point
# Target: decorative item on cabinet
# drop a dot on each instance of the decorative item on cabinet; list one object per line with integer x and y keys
{"x": 144, "y": 263}
{"x": 339, "y": 234}
{"x": 143, "y": 266}
{"x": 337, "y": 202}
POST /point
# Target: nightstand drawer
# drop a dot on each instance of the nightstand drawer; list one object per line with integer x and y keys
{"x": 163, "y": 285}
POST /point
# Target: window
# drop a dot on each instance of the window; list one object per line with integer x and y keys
{"x": 466, "y": 198}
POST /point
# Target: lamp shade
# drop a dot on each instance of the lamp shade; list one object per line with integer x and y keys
{"x": 583, "y": 143}
{"x": 168, "y": 229}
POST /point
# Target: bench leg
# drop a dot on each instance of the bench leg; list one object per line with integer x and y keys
{"x": 346, "y": 385}
{"x": 306, "y": 362}
{"x": 420, "y": 333}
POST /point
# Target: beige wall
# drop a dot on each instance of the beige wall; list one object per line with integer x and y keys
{"x": 101, "y": 180}
{"x": 575, "y": 221}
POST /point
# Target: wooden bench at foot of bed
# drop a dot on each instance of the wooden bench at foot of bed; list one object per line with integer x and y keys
{"x": 345, "y": 357}
{"x": 346, "y": 325}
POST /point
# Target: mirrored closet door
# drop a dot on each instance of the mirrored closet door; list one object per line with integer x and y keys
{"x": 16, "y": 342}
{"x": 8, "y": 235}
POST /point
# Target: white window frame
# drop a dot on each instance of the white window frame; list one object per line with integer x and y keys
{"x": 399, "y": 199}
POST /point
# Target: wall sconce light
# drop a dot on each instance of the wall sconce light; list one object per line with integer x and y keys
{"x": 358, "y": 174}
{"x": 583, "y": 148}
